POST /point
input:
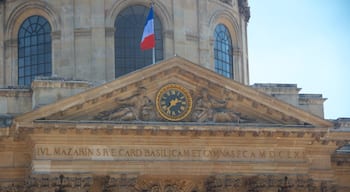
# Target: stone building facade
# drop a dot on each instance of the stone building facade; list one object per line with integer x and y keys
{"x": 83, "y": 109}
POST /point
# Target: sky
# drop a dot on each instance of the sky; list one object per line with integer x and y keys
{"x": 303, "y": 42}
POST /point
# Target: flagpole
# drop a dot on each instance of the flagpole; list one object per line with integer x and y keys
{"x": 154, "y": 48}
{"x": 148, "y": 36}
{"x": 153, "y": 55}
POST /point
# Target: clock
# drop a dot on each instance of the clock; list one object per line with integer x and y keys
{"x": 173, "y": 102}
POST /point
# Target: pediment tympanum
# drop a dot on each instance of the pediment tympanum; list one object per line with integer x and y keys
{"x": 174, "y": 90}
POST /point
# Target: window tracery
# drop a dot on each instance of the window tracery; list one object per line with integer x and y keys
{"x": 34, "y": 49}
{"x": 223, "y": 51}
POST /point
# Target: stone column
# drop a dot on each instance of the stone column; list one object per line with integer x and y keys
{"x": 244, "y": 11}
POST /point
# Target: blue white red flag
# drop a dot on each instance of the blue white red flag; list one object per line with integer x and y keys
{"x": 148, "y": 39}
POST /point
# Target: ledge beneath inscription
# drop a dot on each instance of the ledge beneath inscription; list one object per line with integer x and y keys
{"x": 167, "y": 153}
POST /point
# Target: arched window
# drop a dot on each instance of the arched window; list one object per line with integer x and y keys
{"x": 223, "y": 51}
{"x": 129, "y": 27}
{"x": 34, "y": 49}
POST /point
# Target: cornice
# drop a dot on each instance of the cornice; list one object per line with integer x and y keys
{"x": 59, "y": 83}
{"x": 168, "y": 129}
{"x": 15, "y": 93}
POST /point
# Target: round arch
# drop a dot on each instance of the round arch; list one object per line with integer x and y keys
{"x": 27, "y": 9}
{"x": 159, "y": 9}
{"x": 18, "y": 15}
{"x": 226, "y": 18}
{"x": 231, "y": 23}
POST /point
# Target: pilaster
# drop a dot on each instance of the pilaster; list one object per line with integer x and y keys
{"x": 83, "y": 40}
{"x": 179, "y": 27}
{"x": 66, "y": 66}
{"x": 99, "y": 68}
{"x": 203, "y": 33}
{"x": 244, "y": 11}
{"x": 110, "y": 53}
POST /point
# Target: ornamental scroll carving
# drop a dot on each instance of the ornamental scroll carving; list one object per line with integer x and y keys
{"x": 52, "y": 183}
{"x": 136, "y": 183}
{"x": 12, "y": 188}
{"x": 263, "y": 183}
{"x": 244, "y": 9}
{"x": 119, "y": 183}
{"x": 157, "y": 184}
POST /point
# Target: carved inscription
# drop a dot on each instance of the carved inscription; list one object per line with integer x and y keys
{"x": 161, "y": 153}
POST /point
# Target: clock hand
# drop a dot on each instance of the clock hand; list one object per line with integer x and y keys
{"x": 172, "y": 103}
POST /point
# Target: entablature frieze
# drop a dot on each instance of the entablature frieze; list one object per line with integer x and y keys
{"x": 233, "y": 135}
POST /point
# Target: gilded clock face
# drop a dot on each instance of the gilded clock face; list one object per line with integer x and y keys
{"x": 173, "y": 102}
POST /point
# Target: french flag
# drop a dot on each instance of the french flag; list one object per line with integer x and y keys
{"x": 148, "y": 40}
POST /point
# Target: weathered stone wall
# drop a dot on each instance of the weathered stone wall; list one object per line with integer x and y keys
{"x": 289, "y": 93}
{"x": 15, "y": 101}
{"x": 50, "y": 91}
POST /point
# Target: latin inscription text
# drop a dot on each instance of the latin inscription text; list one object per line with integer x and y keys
{"x": 98, "y": 152}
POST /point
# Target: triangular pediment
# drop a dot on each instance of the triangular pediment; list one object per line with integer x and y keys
{"x": 215, "y": 99}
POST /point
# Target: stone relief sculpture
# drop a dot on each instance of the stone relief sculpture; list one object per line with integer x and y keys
{"x": 209, "y": 109}
{"x": 138, "y": 106}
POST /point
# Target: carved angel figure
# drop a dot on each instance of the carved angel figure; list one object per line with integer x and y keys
{"x": 135, "y": 107}
{"x": 208, "y": 109}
